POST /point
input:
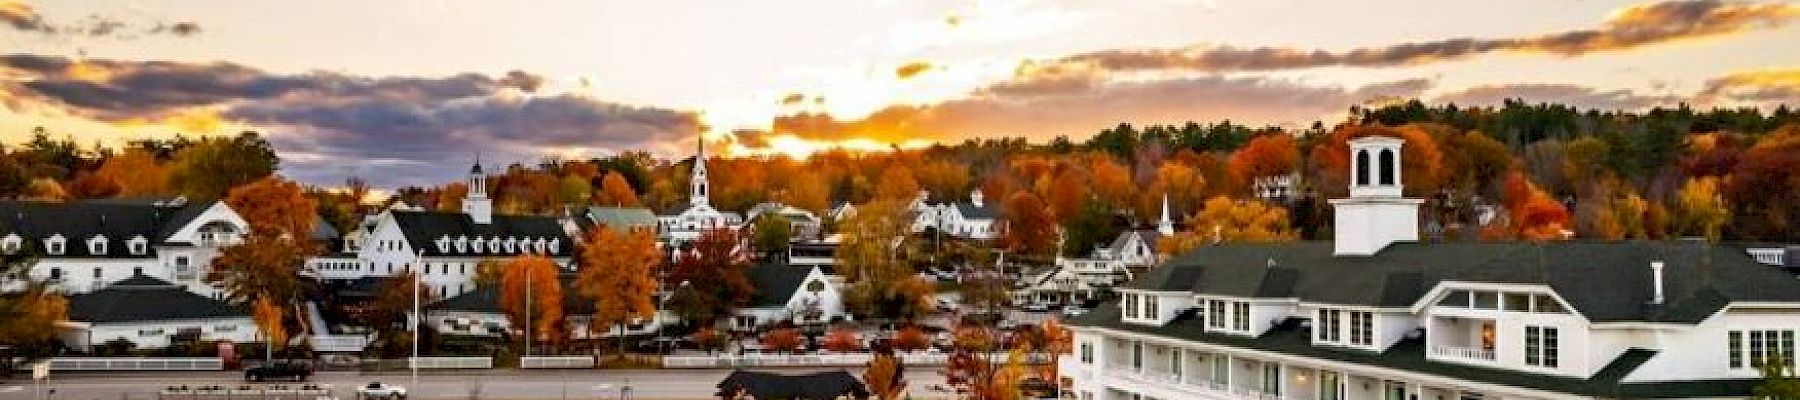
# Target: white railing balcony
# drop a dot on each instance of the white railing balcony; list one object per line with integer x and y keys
{"x": 1254, "y": 393}
{"x": 1463, "y": 353}
{"x": 1768, "y": 256}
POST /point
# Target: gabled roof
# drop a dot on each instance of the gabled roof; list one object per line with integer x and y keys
{"x": 814, "y": 386}
{"x": 1604, "y": 281}
{"x": 79, "y": 221}
{"x": 486, "y": 299}
{"x": 971, "y": 211}
{"x": 621, "y": 217}
{"x": 141, "y": 298}
{"x": 776, "y": 283}
{"x": 423, "y": 228}
{"x": 1291, "y": 338}
{"x": 1148, "y": 236}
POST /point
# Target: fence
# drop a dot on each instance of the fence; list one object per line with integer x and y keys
{"x": 796, "y": 360}
{"x": 244, "y": 392}
{"x": 556, "y": 362}
{"x": 454, "y": 362}
{"x": 135, "y": 364}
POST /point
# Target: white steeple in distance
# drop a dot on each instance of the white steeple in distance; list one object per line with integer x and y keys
{"x": 476, "y": 203}
{"x": 697, "y": 185}
{"x": 1165, "y": 226}
{"x": 1375, "y": 215}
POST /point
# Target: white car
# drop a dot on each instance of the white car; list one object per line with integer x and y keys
{"x": 1074, "y": 311}
{"x": 378, "y": 390}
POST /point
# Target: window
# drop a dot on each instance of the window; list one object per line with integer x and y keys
{"x": 1240, "y": 316}
{"x": 1362, "y": 328}
{"x": 1215, "y": 314}
{"x": 96, "y": 273}
{"x": 1362, "y": 167}
{"x": 1175, "y": 363}
{"x": 138, "y": 246}
{"x": 1328, "y": 325}
{"x": 1541, "y": 345}
{"x": 1456, "y": 298}
{"x": 54, "y": 245}
{"x": 1087, "y": 353}
{"x": 225, "y": 328}
{"x": 1137, "y": 356}
{"x": 1150, "y": 307}
{"x": 1387, "y": 166}
{"x": 1131, "y": 306}
{"x": 55, "y": 273}
{"x": 1487, "y": 300}
{"x": 97, "y": 245}
{"x": 1764, "y": 346}
{"x": 1271, "y": 379}
{"x": 150, "y": 332}
{"x": 1547, "y": 304}
{"x": 10, "y": 244}
{"x": 1518, "y": 302}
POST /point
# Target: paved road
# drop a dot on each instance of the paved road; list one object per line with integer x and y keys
{"x": 495, "y": 384}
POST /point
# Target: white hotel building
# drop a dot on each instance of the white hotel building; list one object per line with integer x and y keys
{"x": 1378, "y": 315}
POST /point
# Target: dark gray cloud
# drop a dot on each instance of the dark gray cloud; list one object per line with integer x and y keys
{"x": 1574, "y": 95}
{"x": 1629, "y": 28}
{"x": 389, "y": 130}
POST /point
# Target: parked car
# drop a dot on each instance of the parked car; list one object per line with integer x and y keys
{"x": 1037, "y": 307}
{"x": 946, "y": 305}
{"x": 278, "y": 370}
{"x": 380, "y": 391}
{"x": 1074, "y": 311}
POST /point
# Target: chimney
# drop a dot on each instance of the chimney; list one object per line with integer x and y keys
{"x": 1656, "y": 279}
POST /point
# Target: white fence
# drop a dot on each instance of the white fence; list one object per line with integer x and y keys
{"x": 135, "y": 364}
{"x": 339, "y": 343}
{"x": 795, "y": 360}
{"x": 453, "y": 362}
{"x": 259, "y": 392}
{"x": 556, "y": 362}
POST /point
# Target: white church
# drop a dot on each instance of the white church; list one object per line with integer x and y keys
{"x": 687, "y": 222}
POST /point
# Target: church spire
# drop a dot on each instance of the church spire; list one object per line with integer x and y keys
{"x": 697, "y": 185}
{"x": 1165, "y": 226}
{"x": 476, "y": 202}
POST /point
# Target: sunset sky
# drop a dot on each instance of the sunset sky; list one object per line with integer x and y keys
{"x": 406, "y": 91}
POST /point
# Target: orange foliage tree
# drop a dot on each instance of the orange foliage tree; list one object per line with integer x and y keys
{"x": 615, "y": 191}
{"x": 1030, "y": 229}
{"x": 883, "y": 376}
{"x": 1530, "y": 213}
{"x": 842, "y": 340}
{"x": 88, "y": 185}
{"x": 1421, "y": 164}
{"x": 1267, "y": 155}
{"x": 714, "y": 270}
{"x": 617, "y": 274}
{"x": 911, "y": 338}
{"x": 783, "y": 340}
{"x": 1764, "y": 191}
{"x": 137, "y": 172}
{"x": 275, "y": 206}
{"x": 529, "y": 281}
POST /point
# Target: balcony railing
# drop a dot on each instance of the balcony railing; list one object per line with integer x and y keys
{"x": 1466, "y": 353}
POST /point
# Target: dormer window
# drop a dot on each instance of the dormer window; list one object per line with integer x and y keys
{"x": 542, "y": 244}
{"x": 475, "y": 245}
{"x": 554, "y": 245}
{"x": 55, "y": 245}
{"x": 138, "y": 245}
{"x": 97, "y": 245}
{"x": 11, "y": 244}
{"x": 511, "y": 245}
{"x": 462, "y": 244}
{"x": 443, "y": 244}
{"x": 493, "y": 245}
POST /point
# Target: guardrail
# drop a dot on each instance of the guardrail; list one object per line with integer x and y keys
{"x": 135, "y": 364}
{"x": 453, "y": 362}
{"x": 549, "y": 362}
{"x": 259, "y": 392}
{"x": 797, "y": 360}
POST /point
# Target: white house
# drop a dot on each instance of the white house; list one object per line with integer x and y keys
{"x": 800, "y": 294}
{"x": 685, "y": 223}
{"x": 1087, "y": 276}
{"x": 805, "y": 225}
{"x": 152, "y": 313}
{"x": 1376, "y": 314}
{"x": 973, "y": 219}
{"x": 445, "y": 247}
{"x": 82, "y": 246}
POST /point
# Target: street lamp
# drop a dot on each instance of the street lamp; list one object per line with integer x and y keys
{"x": 418, "y": 279}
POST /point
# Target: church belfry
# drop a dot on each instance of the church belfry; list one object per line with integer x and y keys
{"x": 697, "y": 185}
{"x": 476, "y": 203}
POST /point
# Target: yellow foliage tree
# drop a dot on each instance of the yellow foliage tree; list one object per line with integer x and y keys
{"x": 615, "y": 191}
{"x": 1701, "y": 210}
{"x": 137, "y": 172}
{"x": 274, "y": 206}
{"x": 269, "y": 314}
{"x": 617, "y": 275}
{"x": 529, "y": 281}
{"x": 883, "y": 377}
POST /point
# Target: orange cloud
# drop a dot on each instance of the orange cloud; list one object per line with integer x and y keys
{"x": 1755, "y": 87}
{"x": 911, "y": 69}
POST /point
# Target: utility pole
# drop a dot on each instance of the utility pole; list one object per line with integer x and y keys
{"x": 413, "y": 364}
{"x": 528, "y": 319}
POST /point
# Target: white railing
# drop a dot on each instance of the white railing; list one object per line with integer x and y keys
{"x": 453, "y": 362}
{"x": 1467, "y": 353}
{"x": 135, "y": 364}
{"x": 338, "y": 343}
{"x": 796, "y": 360}
{"x": 562, "y": 362}
{"x": 1768, "y": 255}
{"x": 247, "y": 391}
{"x": 1253, "y": 393}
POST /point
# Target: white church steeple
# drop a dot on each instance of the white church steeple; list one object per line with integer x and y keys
{"x": 1375, "y": 215}
{"x": 697, "y": 185}
{"x": 476, "y": 203}
{"x": 1165, "y": 226}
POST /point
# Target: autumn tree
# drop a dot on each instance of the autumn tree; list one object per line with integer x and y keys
{"x": 881, "y": 283}
{"x": 911, "y": 338}
{"x": 807, "y": 192}
{"x": 393, "y": 301}
{"x": 29, "y": 310}
{"x": 573, "y": 190}
{"x": 615, "y": 191}
{"x": 945, "y": 178}
{"x": 87, "y": 185}
{"x": 137, "y": 172}
{"x": 1275, "y": 154}
{"x": 885, "y": 376}
{"x": 1528, "y": 213}
{"x": 1764, "y": 192}
{"x": 1111, "y": 184}
{"x": 531, "y": 296}
{"x": 842, "y": 340}
{"x": 770, "y": 235}
{"x": 263, "y": 268}
{"x": 1421, "y": 161}
{"x": 1701, "y": 209}
{"x": 897, "y": 183}
{"x": 617, "y": 274}
{"x": 210, "y": 166}
{"x": 1030, "y": 229}
{"x": 1228, "y": 220}
{"x": 274, "y": 206}
{"x": 450, "y": 199}
{"x": 713, "y": 271}
{"x": 785, "y": 340}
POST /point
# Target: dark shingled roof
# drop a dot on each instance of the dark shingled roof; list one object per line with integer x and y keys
{"x": 142, "y": 298}
{"x": 487, "y": 299}
{"x": 79, "y": 221}
{"x": 815, "y": 386}
{"x": 1604, "y": 281}
{"x": 776, "y": 283}
{"x": 1409, "y": 355}
{"x": 423, "y": 228}
{"x": 985, "y": 211}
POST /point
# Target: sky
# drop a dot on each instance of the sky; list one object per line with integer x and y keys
{"x": 408, "y": 92}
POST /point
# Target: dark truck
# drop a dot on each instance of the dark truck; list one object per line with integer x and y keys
{"x": 278, "y": 370}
